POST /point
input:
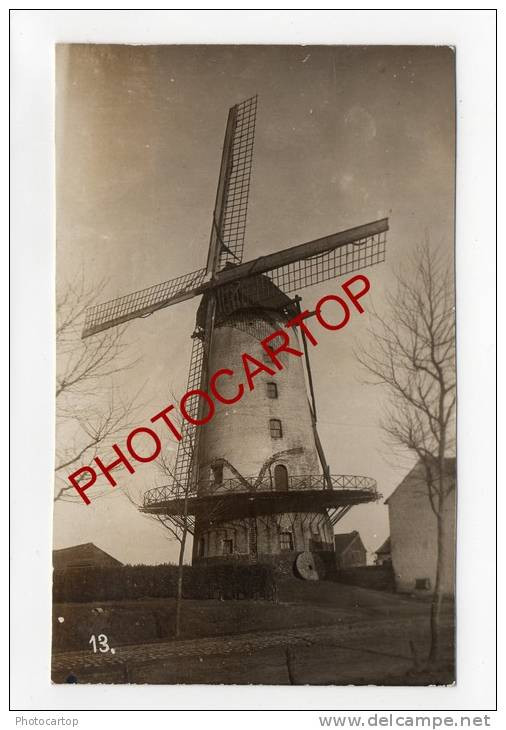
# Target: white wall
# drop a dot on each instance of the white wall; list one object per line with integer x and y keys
{"x": 413, "y": 531}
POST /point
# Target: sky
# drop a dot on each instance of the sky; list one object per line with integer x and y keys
{"x": 344, "y": 136}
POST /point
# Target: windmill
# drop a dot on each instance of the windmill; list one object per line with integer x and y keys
{"x": 291, "y": 503}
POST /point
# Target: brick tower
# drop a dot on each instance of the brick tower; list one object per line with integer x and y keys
{"x": 262, "y": 445}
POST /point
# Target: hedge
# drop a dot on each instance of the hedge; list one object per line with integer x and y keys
{"x": 223, "y": 581}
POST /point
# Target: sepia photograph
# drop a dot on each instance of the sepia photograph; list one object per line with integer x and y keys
{"x": 255, "y": 453}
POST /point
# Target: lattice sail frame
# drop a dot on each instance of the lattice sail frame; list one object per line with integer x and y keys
{"x": 184, "y": 476}
{"x": 338, "y": 262}
{"x": 141, "y": 303}
{"x": 235, "y": 208}
{"x": 232, "y": 230}
{"x": 291, "y": 277}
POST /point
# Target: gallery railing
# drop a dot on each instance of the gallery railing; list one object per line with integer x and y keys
{"x": 263, "y": 484}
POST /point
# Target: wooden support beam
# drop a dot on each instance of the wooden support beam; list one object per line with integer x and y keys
{"x": 264, "y": 264}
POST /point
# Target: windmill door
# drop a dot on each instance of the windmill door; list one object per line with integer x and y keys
{"x": 280, "y": 478}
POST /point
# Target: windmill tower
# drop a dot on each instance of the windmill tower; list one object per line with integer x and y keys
{"x": 253, "y": 484}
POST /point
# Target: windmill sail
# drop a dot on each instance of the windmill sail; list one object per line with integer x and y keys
{"x": 324, "y": 258}
{"x": 226, "y": 245}
{"x": 228, "y": 231}
{"x": 232, "y": 227}
{"x": 141, "y": 303}
{"x": 187, "y": 447}
{"x": 346, "y": 259}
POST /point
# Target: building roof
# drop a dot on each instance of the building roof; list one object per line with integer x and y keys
{"x": 450, "y": 465}
{"x": 385, "y": 549}
{"x": 343, "y": 540}
{"x": 66, "y": 556}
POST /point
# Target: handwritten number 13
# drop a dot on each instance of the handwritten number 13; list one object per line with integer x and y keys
{"x": 103, "y": 646}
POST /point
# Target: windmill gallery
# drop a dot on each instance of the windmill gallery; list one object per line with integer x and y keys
{"x": 250, "y": 480}
{"x": 251, "y": 367}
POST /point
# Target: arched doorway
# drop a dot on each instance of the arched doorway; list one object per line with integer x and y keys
{"x": 280, "y": 478}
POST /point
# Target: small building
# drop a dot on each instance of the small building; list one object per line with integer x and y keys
{"x": 413, "y": 533}
{"x": 86, "y": 555}
{"x": 350, "y": 550}
{"x": 384, "y": 554}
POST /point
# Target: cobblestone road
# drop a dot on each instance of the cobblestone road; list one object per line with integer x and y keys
{"x": 78, "y": 661}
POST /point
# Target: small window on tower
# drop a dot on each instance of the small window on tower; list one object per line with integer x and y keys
{"x": 275, "y": 428}
{"x": 422, "y": 584}
{"x": 285, "y": 541}
{"x": 217, "y": 470}
{"x": 272, "y": 390}
{"x": 228, "y": 547}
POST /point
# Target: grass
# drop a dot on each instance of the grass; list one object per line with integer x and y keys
{"x": 379, "y": 630}
{"x": 149, "y": 620}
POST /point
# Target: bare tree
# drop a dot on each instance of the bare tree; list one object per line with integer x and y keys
{"x": 177, "y": 526}
{"x": 180, "y": 527}
{"x": 90, "y": 412}
{"x": 410, "y": 351}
